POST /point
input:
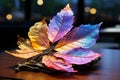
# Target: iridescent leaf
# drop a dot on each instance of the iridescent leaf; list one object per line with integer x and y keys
{"x": 38, "y": 36}
{"x": 78, "y": 56}
{"x": 71, "y": 43}
{"x": 25, "y": 49}
{"x": 83, "y": 36}
{"x": 60, "y": 24}
{"x": 58, "y": 64}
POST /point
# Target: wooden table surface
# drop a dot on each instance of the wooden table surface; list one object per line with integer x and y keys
{"x": 108, "y": 68}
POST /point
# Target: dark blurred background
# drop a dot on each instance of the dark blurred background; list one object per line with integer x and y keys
{"x": 16, "y": 17}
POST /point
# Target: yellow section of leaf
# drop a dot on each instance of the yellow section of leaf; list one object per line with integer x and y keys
{"x": 38, "y": 36}
{"x": 25, "y": 51}
{"x": 24, "y": 55}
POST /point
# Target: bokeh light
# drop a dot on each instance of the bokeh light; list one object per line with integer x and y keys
{"x": 93, "y": 11}
{"x": 87, "y": 9}
{"x": 40, "y": 2}
{"x": 9, "y": 16}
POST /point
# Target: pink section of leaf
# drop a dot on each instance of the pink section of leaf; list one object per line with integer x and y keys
{"x": 58, "y": 64}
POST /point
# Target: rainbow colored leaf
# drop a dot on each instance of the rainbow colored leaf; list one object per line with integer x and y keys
{"x": 58, "y": 46}
{"x": 60, "y": 24}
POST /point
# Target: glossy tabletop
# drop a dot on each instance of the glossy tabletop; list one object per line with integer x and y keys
{"x": 108, "y": 68}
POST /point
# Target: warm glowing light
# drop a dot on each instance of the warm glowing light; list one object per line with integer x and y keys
{"x": 93, "y": 11}
{"x": 87, "y": 9}
{"x": 9, "y": 16}
{"x": 40, "y": 2}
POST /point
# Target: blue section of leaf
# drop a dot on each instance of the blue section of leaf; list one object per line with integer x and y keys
{"x": 83, "y": 36}
{"x": 75, "y": 52}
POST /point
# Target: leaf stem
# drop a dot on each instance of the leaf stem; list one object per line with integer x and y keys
{"x": 45, "y": 52}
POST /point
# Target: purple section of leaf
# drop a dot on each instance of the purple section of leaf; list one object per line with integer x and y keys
{"x": 78, "y": 56}
{"x": 60, "y": 25}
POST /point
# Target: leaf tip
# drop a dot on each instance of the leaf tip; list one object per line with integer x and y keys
{"x": 100, "y": 23}
{"x": 43, "y": 20}
{"x": 67, "y": 7}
